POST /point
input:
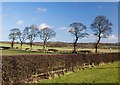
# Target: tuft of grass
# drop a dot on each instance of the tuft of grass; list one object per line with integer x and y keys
{"x": 107, "y": 73}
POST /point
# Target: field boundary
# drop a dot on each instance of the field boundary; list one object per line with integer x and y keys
{"x": 31, "y": 68}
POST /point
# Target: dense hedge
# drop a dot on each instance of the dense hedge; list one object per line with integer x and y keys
{"x": 20, "y": 68}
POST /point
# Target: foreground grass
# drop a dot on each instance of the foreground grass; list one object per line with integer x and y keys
{"x": 101, "y": 74}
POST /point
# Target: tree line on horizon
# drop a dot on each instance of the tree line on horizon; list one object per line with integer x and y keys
{"x": 101, "y": 27}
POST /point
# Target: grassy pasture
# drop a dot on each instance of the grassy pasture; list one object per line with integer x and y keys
{"x": 24, "y": 46}
{"x": 66, "y": 49}
{"x": 36, "y": 47}
{"x": 107, "y": 73}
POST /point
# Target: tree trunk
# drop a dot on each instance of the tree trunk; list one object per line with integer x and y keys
{"x": 74, "y": 47}
{"x": 21, "y": 45}
{"x": 12, "y": 44}
{"x": 44, "y": 45}
{"x": 96, "y": 46}
{"x": 31, "y": 45}
{"x": 75, "y": 44}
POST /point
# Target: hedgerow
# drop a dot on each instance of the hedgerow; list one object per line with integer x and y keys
{"x": 18, "y": 69}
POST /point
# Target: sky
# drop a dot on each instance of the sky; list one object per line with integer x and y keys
{"x": 58, "y": 16}
{"x": 60, "y": 0}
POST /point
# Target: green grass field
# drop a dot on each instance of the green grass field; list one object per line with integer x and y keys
{"x": 66, "y": 49}
{"x": 17, "y": 52}
{"x": 107, "y": 73}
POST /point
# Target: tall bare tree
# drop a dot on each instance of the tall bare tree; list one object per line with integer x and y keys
{"x": 13, "y": 35}
{"x": 21, "y": 36}
{"x": 46, "y": 34}
{"x": 31, "y": 33}
{"x": 78, "y": 31}
{"x": 102, "y": 29}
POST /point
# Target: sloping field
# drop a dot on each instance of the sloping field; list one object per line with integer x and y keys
{"x": 107, "y": 73}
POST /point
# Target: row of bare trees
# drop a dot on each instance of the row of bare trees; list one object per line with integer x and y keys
{"x": 101, "y": 27}
{"x": 30, "y": 33}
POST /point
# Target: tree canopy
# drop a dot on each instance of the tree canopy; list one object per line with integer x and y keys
{"x": 101, "y": 27}
{"x": 78, "y": 31}
{"x": 46, "y": 34}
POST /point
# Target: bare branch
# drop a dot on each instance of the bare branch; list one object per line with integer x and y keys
{"x": 102, "y": 28}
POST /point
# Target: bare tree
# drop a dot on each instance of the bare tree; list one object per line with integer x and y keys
{"x": 30, "y": 33}
{"x": 78, "y": 31}
{"x": 21, "y": 36}
{"x": 46, "y": 34}
{"x": 102, "y": 29}
{"x": 13, "y": 35}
